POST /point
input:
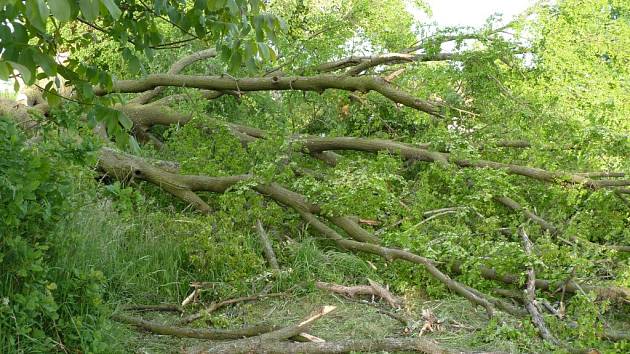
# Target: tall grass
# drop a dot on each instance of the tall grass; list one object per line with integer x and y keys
{"x": 139, "y": 261}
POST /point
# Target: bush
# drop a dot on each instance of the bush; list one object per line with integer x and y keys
{"x": 43, "y": 307}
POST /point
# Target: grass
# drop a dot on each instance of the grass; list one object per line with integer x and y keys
{"x": 147, "y": 261}
{"x": 140, "y": 262}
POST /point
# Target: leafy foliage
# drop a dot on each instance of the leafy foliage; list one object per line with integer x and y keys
{"x": 566, "y": 96}
{"x": 43, "y": 308}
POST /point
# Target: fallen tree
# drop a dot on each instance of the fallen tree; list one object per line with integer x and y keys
{"x": 451, "y": 117}
{"x": 418, "y": 345}
{"x": 124, "y": 167}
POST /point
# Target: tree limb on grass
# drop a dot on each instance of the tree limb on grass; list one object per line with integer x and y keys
{"x": 512, "y": 204}
{"x": 270, "y": 256}
{"x": 199, "y": 333}
{"x": 149, "y": 308}
{"x": 416, "y": 345}
{"x": 250, "y": 345}
{"x": 613, "y": 293}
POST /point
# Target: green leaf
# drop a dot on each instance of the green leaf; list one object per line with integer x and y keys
{"x": 233, "y": 7}
{"x": 264, "y": 51}
{"x": 235, "y": 60}
{"x": 133, "y": 63}
{"x": 60, "y": 9}
{"x": 52, "y": 97}
{"x": 37, "y": 14}
{"x": 133, "y": 145}
{"x": 216, "y": 5}
{"x": 89, "y": 9}
{"x": 27, "y": 74}
{"x": 125, "y": 121}
{"x": 112, "y": 8}
{"x": 5, "y": 70}
{"x": 45, "y": 62}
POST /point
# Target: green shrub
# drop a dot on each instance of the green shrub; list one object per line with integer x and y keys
{"x": 43, "y": 306}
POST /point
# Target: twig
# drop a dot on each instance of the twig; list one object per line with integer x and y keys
{"x": 373, "y": 289}
{"x": 217, "y": 305}
{"x": 512, "y": 204}
{"x": 530, "y": 304}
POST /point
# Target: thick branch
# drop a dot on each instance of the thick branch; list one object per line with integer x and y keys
{"x": 125, "y": 167}
{"x": 418, "y": 345}
{"x": 317, "y": 83}
{"x": 395, "y": 58}
{"x": 408, "y": 151}
{"x": 614, "y": 293}
{"x": 158, "y": 328}
{"x": 270, "y": 256}
{"x": 411, "y": 152}
{"x": 249, "y": 345}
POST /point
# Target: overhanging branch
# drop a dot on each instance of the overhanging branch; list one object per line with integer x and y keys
{"x": 318, "y": 83}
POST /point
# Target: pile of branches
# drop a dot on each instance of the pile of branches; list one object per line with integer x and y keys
{"x": 350, "y": 74}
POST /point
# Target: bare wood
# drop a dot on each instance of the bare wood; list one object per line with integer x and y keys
{"x": 373, "y": 289}
{"x": 530, "y": 292}
{"x": 267, "y": 247}
{"x": 249, "y": 345}
{"x": 416, "y": 345}
{"x": 305, "y": 337}
{"x": 159, "y": 328}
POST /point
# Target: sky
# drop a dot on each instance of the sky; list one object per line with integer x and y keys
{"x": 474, "y": 12}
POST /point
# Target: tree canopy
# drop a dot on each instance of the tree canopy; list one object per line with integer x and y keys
{"x": 337, "y": 143}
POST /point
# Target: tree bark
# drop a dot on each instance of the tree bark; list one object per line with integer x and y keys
{"x": 317, "y": 83}
{"x": 158, "y": 328}
{"x": 267, "y": 247}
{"x": 417, "y": 345}
{"x": 248, "y": 345}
